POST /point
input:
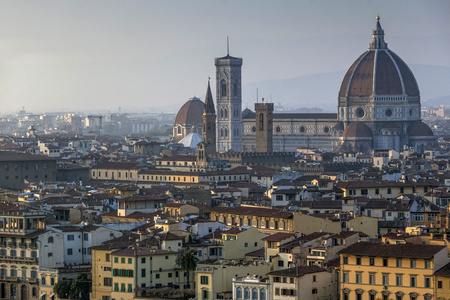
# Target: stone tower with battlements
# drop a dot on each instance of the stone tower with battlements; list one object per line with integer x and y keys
{"x": 264, "y": 127}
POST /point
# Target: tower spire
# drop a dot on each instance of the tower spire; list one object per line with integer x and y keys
{"x": 228, "y": 47}
{"x": 209, "y": 102}
{"x": 378, "y": 37}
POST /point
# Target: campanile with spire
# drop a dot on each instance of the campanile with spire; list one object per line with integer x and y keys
{"x": 229, "y": 103}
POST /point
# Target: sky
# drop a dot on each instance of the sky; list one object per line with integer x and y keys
{"x": 145, "y": 56}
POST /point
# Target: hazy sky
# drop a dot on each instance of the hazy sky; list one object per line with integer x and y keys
{"x": 92, "y": 55}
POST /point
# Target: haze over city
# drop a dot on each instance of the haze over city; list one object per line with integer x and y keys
{"x": 138, "y": 55}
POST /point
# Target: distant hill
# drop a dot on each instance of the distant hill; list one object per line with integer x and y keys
{"x": 321, "y": 90}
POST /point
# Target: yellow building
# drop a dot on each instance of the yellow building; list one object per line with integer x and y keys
{"x": 116, "y": 171}
{"x": 180, "y": 209}
{"x": 335, "y": 223}
{"x": 215, "y": 281}
{"x": 311, "y": 282}
{"x": 442, "y": 283}
{"x": 386, "y": 189}
{"x": 378, "y": 271}
{"x": 137, "y": 268}
{"x": 265, "y": 219}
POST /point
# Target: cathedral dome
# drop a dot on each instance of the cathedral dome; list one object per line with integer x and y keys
{"x": 357, "y": 130}
{"x": 419, "y": 128}
{"x": 379, "y": 71}
{"x": 191, "y": 112}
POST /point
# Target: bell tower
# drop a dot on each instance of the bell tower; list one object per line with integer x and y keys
{"x": 264, "y": 127}
{"x": 229, "y": 103}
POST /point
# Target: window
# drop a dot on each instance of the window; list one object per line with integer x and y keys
{"x": 385, "y": 262}
{"x": 50, "y": 254}
{"x": 358, "y": 261}
{"x": 345, "y": 277}
{"x": 358, "y": 277}
{"x": 385, "y": 279}
{"x": 412, "y": 263}
{"x": 143, "y": 273}
{"x": 70, "y": 237}
{"x": 413, "y": 281}
{"x": 203, "y": 279}
{"x": 439, "y": 284}
{"x": 314, "y": 291}
{"x": 399, "y": 262}
{"x": 130, "y": 260}
{"x": 122, "y": 287}
{"x": 157, "y": 276}
{"x": 107, "y": 281}
{"x": 371, "y": 278}
{"x": 246, "y": 245}
{"x": 130, "y": 288}
{"x": 238, "y": 292}
{"x": 205, "y": 294}
{"x": 116, "y": 287}
{"x": 398, "y": 280}
{"x": 345, "y": 260}
{"x": 427, "y": 282}
{"x": 50, "y": 240}
{"x": 427, "y": 264}
{"x": 169, "y": 275}
{"x": 281, "y": 263}
{"x": 372, "y": 261}
{"x": 389, "y": 191}
{"x": 85, "y": 237}
{"x": 116, "y": 260}
{"x": 70, "y": 251}
{"x": 107, "y": 257}
{"x": 122, "y": 260}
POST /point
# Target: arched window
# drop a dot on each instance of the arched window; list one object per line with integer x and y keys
{"x": 262, "y": 294}
{"x": 254, "y": 294}
{"x": 221, "y": 131}
{"x": 226, "y": 113}
{"x": 178, "y": 129}
{"x": 226, "y": 132}
{"x": 261, "y": 121}
{"x": 221, "y": 112}
{"x": 223, "y": 88}
{"x": 238, "y": 293}
{"x": 246, "y": 293}
{"x": 235, "y": 88}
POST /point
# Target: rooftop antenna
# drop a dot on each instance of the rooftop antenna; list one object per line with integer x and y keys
{"x": 228, "y": 47}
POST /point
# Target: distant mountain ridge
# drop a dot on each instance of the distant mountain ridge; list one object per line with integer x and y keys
{"x": 321, "y": 90}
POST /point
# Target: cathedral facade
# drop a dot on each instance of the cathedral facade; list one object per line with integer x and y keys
{"x": 378, "y": 108}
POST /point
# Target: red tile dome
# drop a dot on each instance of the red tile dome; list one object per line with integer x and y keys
{"x": 419, "y": 128}
{"x": 378, "y": 71}
{"x": 357, "y": 130}
{"x": 191, "y": 112}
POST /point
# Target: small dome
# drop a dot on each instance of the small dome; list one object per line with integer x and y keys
{"x": 419, "y": 128}
{"x": 191, "y": 140}
{"x": 338, "y": 127}
{"x": 191, "y": 112}
{"x": 357, "y": 130}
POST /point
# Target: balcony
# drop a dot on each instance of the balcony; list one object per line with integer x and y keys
{"x": 5, "y": 258}
{"x": 23, "y": 245}
{"x": 205, "y": 270}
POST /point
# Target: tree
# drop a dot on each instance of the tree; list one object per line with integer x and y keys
{"x": 62, "y": 288}
{"x": 187, "y": 261}
{"x": 77, "y": 289}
